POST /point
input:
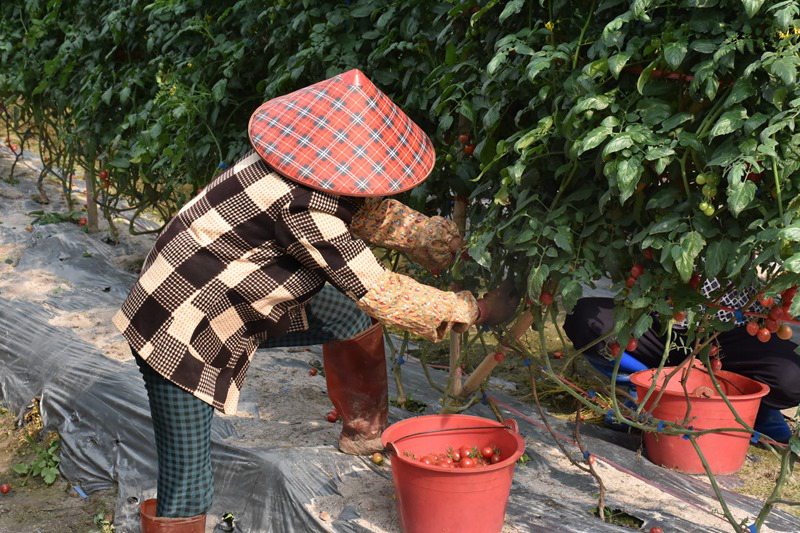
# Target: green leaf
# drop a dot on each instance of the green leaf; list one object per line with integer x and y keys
{"x": 785, "y": 68}
{"x": 644, "y": 77}
{"x": 619, "y": 142}
{"x": 364, "y": 10}
{"x": 674, "y": 53}
{"x": 536, "y": 279}
{"x": 751, "y": 7}
{"x": 675, "y": 120}
{"x": 49, "y": 475}
{"x": 492, "y": 116}
{"x": 729, "y": 122}
{"x": 792, "y": 264}
{"x": 479, "y": 249}
{"x": 21, "y": 468}
{"x": 563, "y": 239}
{"x": 742, "y": 89}
{"x": 628, "y": 173}
{"x": 617, "y": 62}
{"x": 685, "y": 254}
{"x": 740, "y": 194}
{"x": 791, "y": 233}
{"x": 716, "y": 257}
{"x": 570, "y": 294}
{"x": 594, "y": 138}
{"x": 496, "y": 62}
{"x": 512, "y": 8}
{"x": 106, "y": 96}
{"x": 218, "y": 90}
{"x": 644, "y": 323}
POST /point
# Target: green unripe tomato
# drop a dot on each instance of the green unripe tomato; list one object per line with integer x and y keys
{"x": 712, "y": 179}
{"x": 701, "y": 179}
{"x": 704, "y": 206}
{"x": 710, "y": 211}
{"x": 710, "y": 191}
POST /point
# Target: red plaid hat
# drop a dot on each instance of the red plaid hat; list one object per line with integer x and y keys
{"x": 343, "y": 136}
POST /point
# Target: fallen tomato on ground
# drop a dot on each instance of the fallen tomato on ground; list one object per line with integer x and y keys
{"x": 5, "y": 488}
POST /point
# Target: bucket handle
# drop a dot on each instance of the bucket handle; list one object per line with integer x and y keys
{"x": 509, "y": 424}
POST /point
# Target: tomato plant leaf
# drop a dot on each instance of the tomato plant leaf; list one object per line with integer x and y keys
{"x": 617, "y": 62}
{"x": 536, "y": 279}
{"x": 642, "y": 325}
{"x": 716, "y": 257}
{"x": 785, "y": 68}
{"x": 685, "y": 254}
{"x": 512, "y": 8}
{"x": 740, "y": 194}
{"x": 729, "y": 122}
{"x": 628, "y": 173}
{"x": 619, "y": 142}
{"x": 675, "y": 52}
{"x": 792, "y": 264}
{"x": 751, "y": 7}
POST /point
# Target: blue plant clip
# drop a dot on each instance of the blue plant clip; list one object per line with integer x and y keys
{"x": 660, "y": 426}
{"x": 591, "y": 394}
{"x": 756, "y": 437}
{"x": 526, "y": 361}
{"x": 586, "y": 456}
{"x": 484, "y": 399}
{"x": 752, "y": 528}
{"x": 222, "y": 165}
{"x": 686, "y": 437}
{"x": 401, "y": 360}
{"x": 739, "y": 315}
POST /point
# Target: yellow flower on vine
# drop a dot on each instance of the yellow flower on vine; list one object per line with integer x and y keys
{"x": 549, "y": 25}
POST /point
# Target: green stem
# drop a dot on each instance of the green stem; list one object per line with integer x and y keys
{"x": 717, "y": 491}
{"x": 589, "y": 18}
{"x": 777, "y": 188}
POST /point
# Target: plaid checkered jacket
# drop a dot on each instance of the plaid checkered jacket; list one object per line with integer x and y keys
{"x": 233, "y": 268}
{"x": 236, "y": 265}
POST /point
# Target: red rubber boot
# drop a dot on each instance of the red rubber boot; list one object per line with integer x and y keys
{"x": 355, "y": 370}
{"x": 157, "y": 524}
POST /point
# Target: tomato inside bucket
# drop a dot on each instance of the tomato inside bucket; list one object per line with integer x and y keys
{"x": 425, "y": 491}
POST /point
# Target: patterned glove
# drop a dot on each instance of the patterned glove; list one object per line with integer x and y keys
{"x": 437, "y": 244}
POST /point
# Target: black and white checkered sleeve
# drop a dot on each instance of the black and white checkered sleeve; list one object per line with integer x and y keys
{"x": 313, "y": 229}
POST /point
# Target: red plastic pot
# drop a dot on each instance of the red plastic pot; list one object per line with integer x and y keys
{"x": 446, "y": 500}
{"x": 724, "y": 452}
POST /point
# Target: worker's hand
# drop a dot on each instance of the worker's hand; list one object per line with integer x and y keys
{"x": 438, "y": 242}
{"x": 498, "y": 305}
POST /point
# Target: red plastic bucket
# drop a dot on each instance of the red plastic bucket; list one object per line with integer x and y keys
{"x": 435, "y": 499}
{"x": 724, "y": 452}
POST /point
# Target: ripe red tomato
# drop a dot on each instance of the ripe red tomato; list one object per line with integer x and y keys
{"x": 716, "y": 364}
{"x": 463, "y": 138}
{"x": 785, "y": 332}
{"x": 637, "y": 270}
{"x": 630, "y": 282}
{"x": 467, "y": 462}
{"x": 495, "y": 459}
{"x": 545, "y": 298}
{"x": 487, "y": 452}
{"x": 648, "y": 254}
{"x": 679, "y": 316}
{"x": 788, "y": 295}
{"x": 312, "y": 371}
{"x": 427, "y": 460}
{"x": 332, "y": 416}
{"x": 499, "y": 356}
{"x": 632, "y": 345}
{"x": 771, "y": 325}
{"x": 83, "y": 221}
{"x": 103, "y": 174}
{"x": 656, "y": 530}
{"x": 469, "y": 148}
{"x": 5, "y": 488}
{"x": 764, "y": 335}
{"x": 694, "y": 281}
{"x": 752, "y": 328}
{"x": 614, "y": 348}
{"x": 455, "y": 455}
{"x": 714, "y": 350}
{"x": 558, "y": 354}
{"x": 776, "y": 313}
{"x": 468, "y": 452}
{"x": 767, "y": 301}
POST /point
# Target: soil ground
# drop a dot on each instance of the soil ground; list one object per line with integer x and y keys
{"x": 33, "y": 506}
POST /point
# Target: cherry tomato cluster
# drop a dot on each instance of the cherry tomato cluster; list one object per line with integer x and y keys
{"x": 773, "y": 323}
{"x": 466, "y": 141}
{"x": 709, "y": 182}
{"x": 636, "y": 271}
{"x": 461, "y": 457}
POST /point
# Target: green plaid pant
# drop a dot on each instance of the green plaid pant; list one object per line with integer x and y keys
{"x": 182, "y": 422}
